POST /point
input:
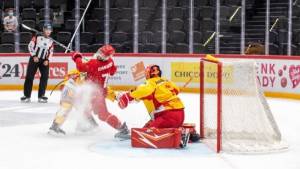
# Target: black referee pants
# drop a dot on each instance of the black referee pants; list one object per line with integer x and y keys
{"x": 31, "y": 70}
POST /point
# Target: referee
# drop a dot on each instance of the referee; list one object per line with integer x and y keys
{"x": 41, "y": 49}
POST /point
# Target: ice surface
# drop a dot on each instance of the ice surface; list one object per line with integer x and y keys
{"x": 25, "y": 144}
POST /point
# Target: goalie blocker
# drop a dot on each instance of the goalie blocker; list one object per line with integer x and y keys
{"x": 163, "y": 137}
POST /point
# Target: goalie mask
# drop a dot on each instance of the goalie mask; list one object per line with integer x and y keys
{"x": 104, "y": 53}
{"x": 152, "y": 71}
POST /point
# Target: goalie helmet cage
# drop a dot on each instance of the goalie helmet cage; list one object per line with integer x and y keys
{"x": 234, "y": 114}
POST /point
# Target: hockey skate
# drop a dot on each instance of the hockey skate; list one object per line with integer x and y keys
{"x": 25, "y": 99}
{"x": 56, "y": 130}
{"x": 123, "y": 133}
{"x": 185, "y": 137}
{"x": 43, "y": 99}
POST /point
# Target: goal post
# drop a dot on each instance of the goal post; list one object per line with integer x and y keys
{"x": 234, "y": 114}
{"x": 219, "y": 100}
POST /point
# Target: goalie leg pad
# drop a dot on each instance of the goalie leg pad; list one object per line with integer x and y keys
{"x": 156, "y": 138}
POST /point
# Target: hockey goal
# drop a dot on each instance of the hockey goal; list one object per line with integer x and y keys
{"x": 234, "y": 114}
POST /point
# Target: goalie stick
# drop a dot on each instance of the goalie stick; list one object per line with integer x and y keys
{"x": 188, "y": 82}
{"x": 38, "y": 32}
{"x": 137, "y": 71}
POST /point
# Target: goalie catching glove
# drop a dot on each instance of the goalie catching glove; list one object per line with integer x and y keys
{"x": 124, "y": 99}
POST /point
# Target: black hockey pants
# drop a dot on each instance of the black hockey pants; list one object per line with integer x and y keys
{"x": 31, "y": 70}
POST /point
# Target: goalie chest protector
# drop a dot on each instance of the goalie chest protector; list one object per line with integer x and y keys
{"x": 156, "y": 138}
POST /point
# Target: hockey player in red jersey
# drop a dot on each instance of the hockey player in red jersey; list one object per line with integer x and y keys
{"x": 98, "y": 70}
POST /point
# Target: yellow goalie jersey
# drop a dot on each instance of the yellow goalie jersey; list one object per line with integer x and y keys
{"x": 158, "y": 94}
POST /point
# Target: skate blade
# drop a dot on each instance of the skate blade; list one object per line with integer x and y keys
{"x": 123, "y": 138}
{"x": 185, "y": 141}
{"x": 25, "y": 101}
{"x": 55, "y": 134}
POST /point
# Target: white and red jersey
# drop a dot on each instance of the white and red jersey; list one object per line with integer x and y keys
{"x": 97, "y": 71}
{"x": 41, "y": 46}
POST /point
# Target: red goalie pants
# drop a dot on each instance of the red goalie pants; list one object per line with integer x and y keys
{"x": 167, "y": 119}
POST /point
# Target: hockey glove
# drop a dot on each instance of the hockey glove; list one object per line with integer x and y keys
{"x": 124, "y": 99}
{"x": 35, "y": 59}
{"x": 46, "y": 62}
{"x": 76, "y": 55}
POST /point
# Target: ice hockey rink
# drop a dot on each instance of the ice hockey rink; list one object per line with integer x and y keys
{"x": 25, "y": 144}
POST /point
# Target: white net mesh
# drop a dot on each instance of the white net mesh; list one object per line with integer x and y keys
{"x": 247, "y": 122}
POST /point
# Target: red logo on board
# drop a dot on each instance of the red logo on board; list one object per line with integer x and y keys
{"x": 57, "y": 70}
{"x": 294, "y": 73}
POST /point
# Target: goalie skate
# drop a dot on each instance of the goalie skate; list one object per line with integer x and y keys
{"x": 185, "y": 137}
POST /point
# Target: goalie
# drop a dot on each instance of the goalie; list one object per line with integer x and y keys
{"x": 160, "y": 97}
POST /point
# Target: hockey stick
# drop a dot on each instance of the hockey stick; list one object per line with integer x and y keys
{"x": 58, "y": 84}
{"x": 81, "y": 19}
{"x": 214, "y": 33}
{"x": 249, "y": 46}
{"x": 234, "y": 13}
{"x": 55, "y": 41}
{"x": 187, "y": 82}
{"x": 274, "y": 24}
{"x": 209, "y": 39}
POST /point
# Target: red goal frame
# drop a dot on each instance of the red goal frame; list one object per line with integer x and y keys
{"x": 219, "y": 101}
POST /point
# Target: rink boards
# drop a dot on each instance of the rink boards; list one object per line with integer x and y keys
{"x": 278, "y": 75}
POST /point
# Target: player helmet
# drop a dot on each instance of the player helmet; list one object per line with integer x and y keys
{"x": 152, "y": 71}
{"x": 47, "y": 29}
{"x": 47, "y": 26}
{"x": 105, "y": 52}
